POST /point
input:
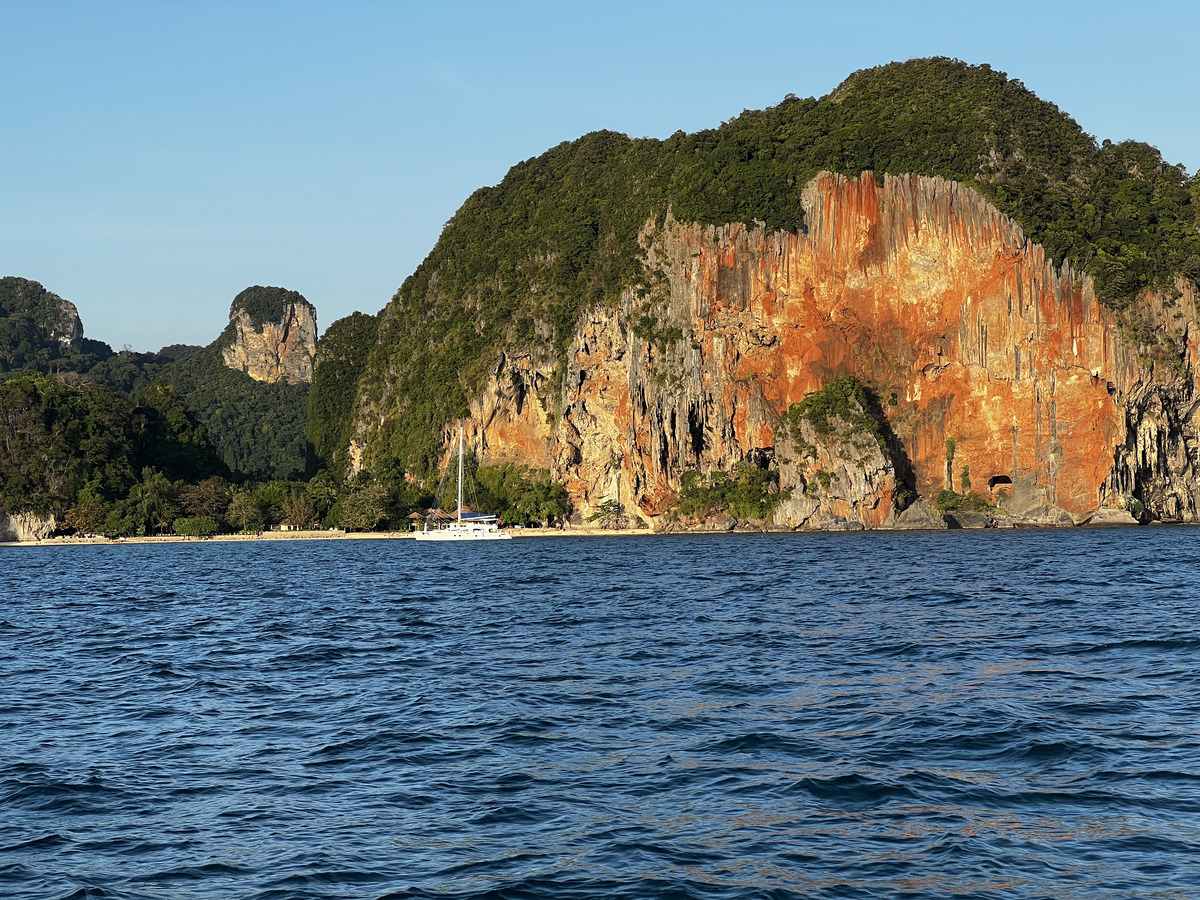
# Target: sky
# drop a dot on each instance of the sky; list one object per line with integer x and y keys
{"x": 158, "y": 157}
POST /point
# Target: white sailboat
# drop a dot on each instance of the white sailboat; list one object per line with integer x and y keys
{"x": 469, "y": 527}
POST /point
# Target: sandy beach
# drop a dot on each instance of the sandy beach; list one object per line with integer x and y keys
{"x": 318, "y": 535}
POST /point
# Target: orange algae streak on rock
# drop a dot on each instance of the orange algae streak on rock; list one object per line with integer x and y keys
{"x": 508, "y": 419}
{"x": 948, "y": 307}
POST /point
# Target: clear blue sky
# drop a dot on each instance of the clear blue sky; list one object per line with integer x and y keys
{"x": 158, "y": 157}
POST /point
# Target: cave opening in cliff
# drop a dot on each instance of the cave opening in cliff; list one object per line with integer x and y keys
{"x": 997, "y": 480}
{"x": 696, "y": 431}
{"x": 518, "y": 388}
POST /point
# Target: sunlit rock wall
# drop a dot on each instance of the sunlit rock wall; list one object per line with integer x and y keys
{"x": 996, "y": 370}
{"x": 277, "y": 350}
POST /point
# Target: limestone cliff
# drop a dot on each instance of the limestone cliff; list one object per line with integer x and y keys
{"x": 26, "y": 526}
{"x": 997, "y": 370}
{"x": 66, "y": 327}
{"x": 844, "y": 478}
{"x": 278, "y": 344}
{"x": 39, "y": 315}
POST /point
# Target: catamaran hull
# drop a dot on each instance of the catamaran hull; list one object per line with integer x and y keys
{"x": 462, "y": 534}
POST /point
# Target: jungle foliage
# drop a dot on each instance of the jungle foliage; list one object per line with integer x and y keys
{"x": 258, "y": 428}
{"x": 65, "y": 442}
{"x": 32, "y": 321}
{"x": 749, "y": 492}
{"x": 341, "y": 358}
{"x": 520, "y": 261}
{"x": 128, "y": 372}
{"x": 845, "y": 401}
{"x": 264, "y": 304}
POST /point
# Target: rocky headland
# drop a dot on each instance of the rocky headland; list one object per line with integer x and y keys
{"x": 997, "y": 373}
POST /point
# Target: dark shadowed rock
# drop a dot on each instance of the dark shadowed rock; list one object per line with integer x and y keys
{"x": 920, "y": 516}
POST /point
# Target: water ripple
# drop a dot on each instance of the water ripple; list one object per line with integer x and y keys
{"x": 1002, "y": 715}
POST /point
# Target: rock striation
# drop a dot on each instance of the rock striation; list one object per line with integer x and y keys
{"x": 835, "y": 479}
{"x": 282, "y": 348}
{"x": 25, "y": 527}
{"x": 998, "y": 372}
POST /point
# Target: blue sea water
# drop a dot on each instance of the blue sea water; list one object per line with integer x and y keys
{"x": 984, "y": 714}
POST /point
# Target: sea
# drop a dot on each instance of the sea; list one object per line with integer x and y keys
{"x": 992, "y": 714}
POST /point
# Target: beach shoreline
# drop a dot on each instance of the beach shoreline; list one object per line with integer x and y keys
{"x": 314, "y": 535}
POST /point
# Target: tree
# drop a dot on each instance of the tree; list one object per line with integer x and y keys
{"x": 120, "y": 521}
{"x": 152, "y": 502}
{"x": 197, "y": 526}
{"x": 322, "y": 491}
{"x": 58, "y": 438}
{"x": 244, "y": 511}
{"x": 298, "y": 511}
{"x": 363, "y": 509}
{"x": 542, "y": 501}
{"x": 210, "y": 497}
{"x": 608, "y": 515}
{"x": 88, "y": 514}
{"x": 272, "y": 497}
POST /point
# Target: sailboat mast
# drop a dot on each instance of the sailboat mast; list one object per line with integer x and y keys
{"x": 460, "y": 470}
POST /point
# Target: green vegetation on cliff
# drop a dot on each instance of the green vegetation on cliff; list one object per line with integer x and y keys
{"x": 750, "y": 492}
{"x": 258, "y": 428}
{"x": 845, "y": 400}
{"x": 36, "y": 331}
{"x": 520, "y": 261}
{"x": 341, "y": 358}
{"x": 847, "y": 408}
{"x": 264, "y": 304}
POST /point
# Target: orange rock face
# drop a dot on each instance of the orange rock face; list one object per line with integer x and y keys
{"x": 995, "y": 369}
{"x": 284, "y": 350}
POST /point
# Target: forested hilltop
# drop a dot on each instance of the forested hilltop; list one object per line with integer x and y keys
{"x": 39, "y": 329}
{"x": 257, "y": 427}
{"x": 196, "y": 440}
{"x": 520, "y": 261}
{"x": 513, "y": 274}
